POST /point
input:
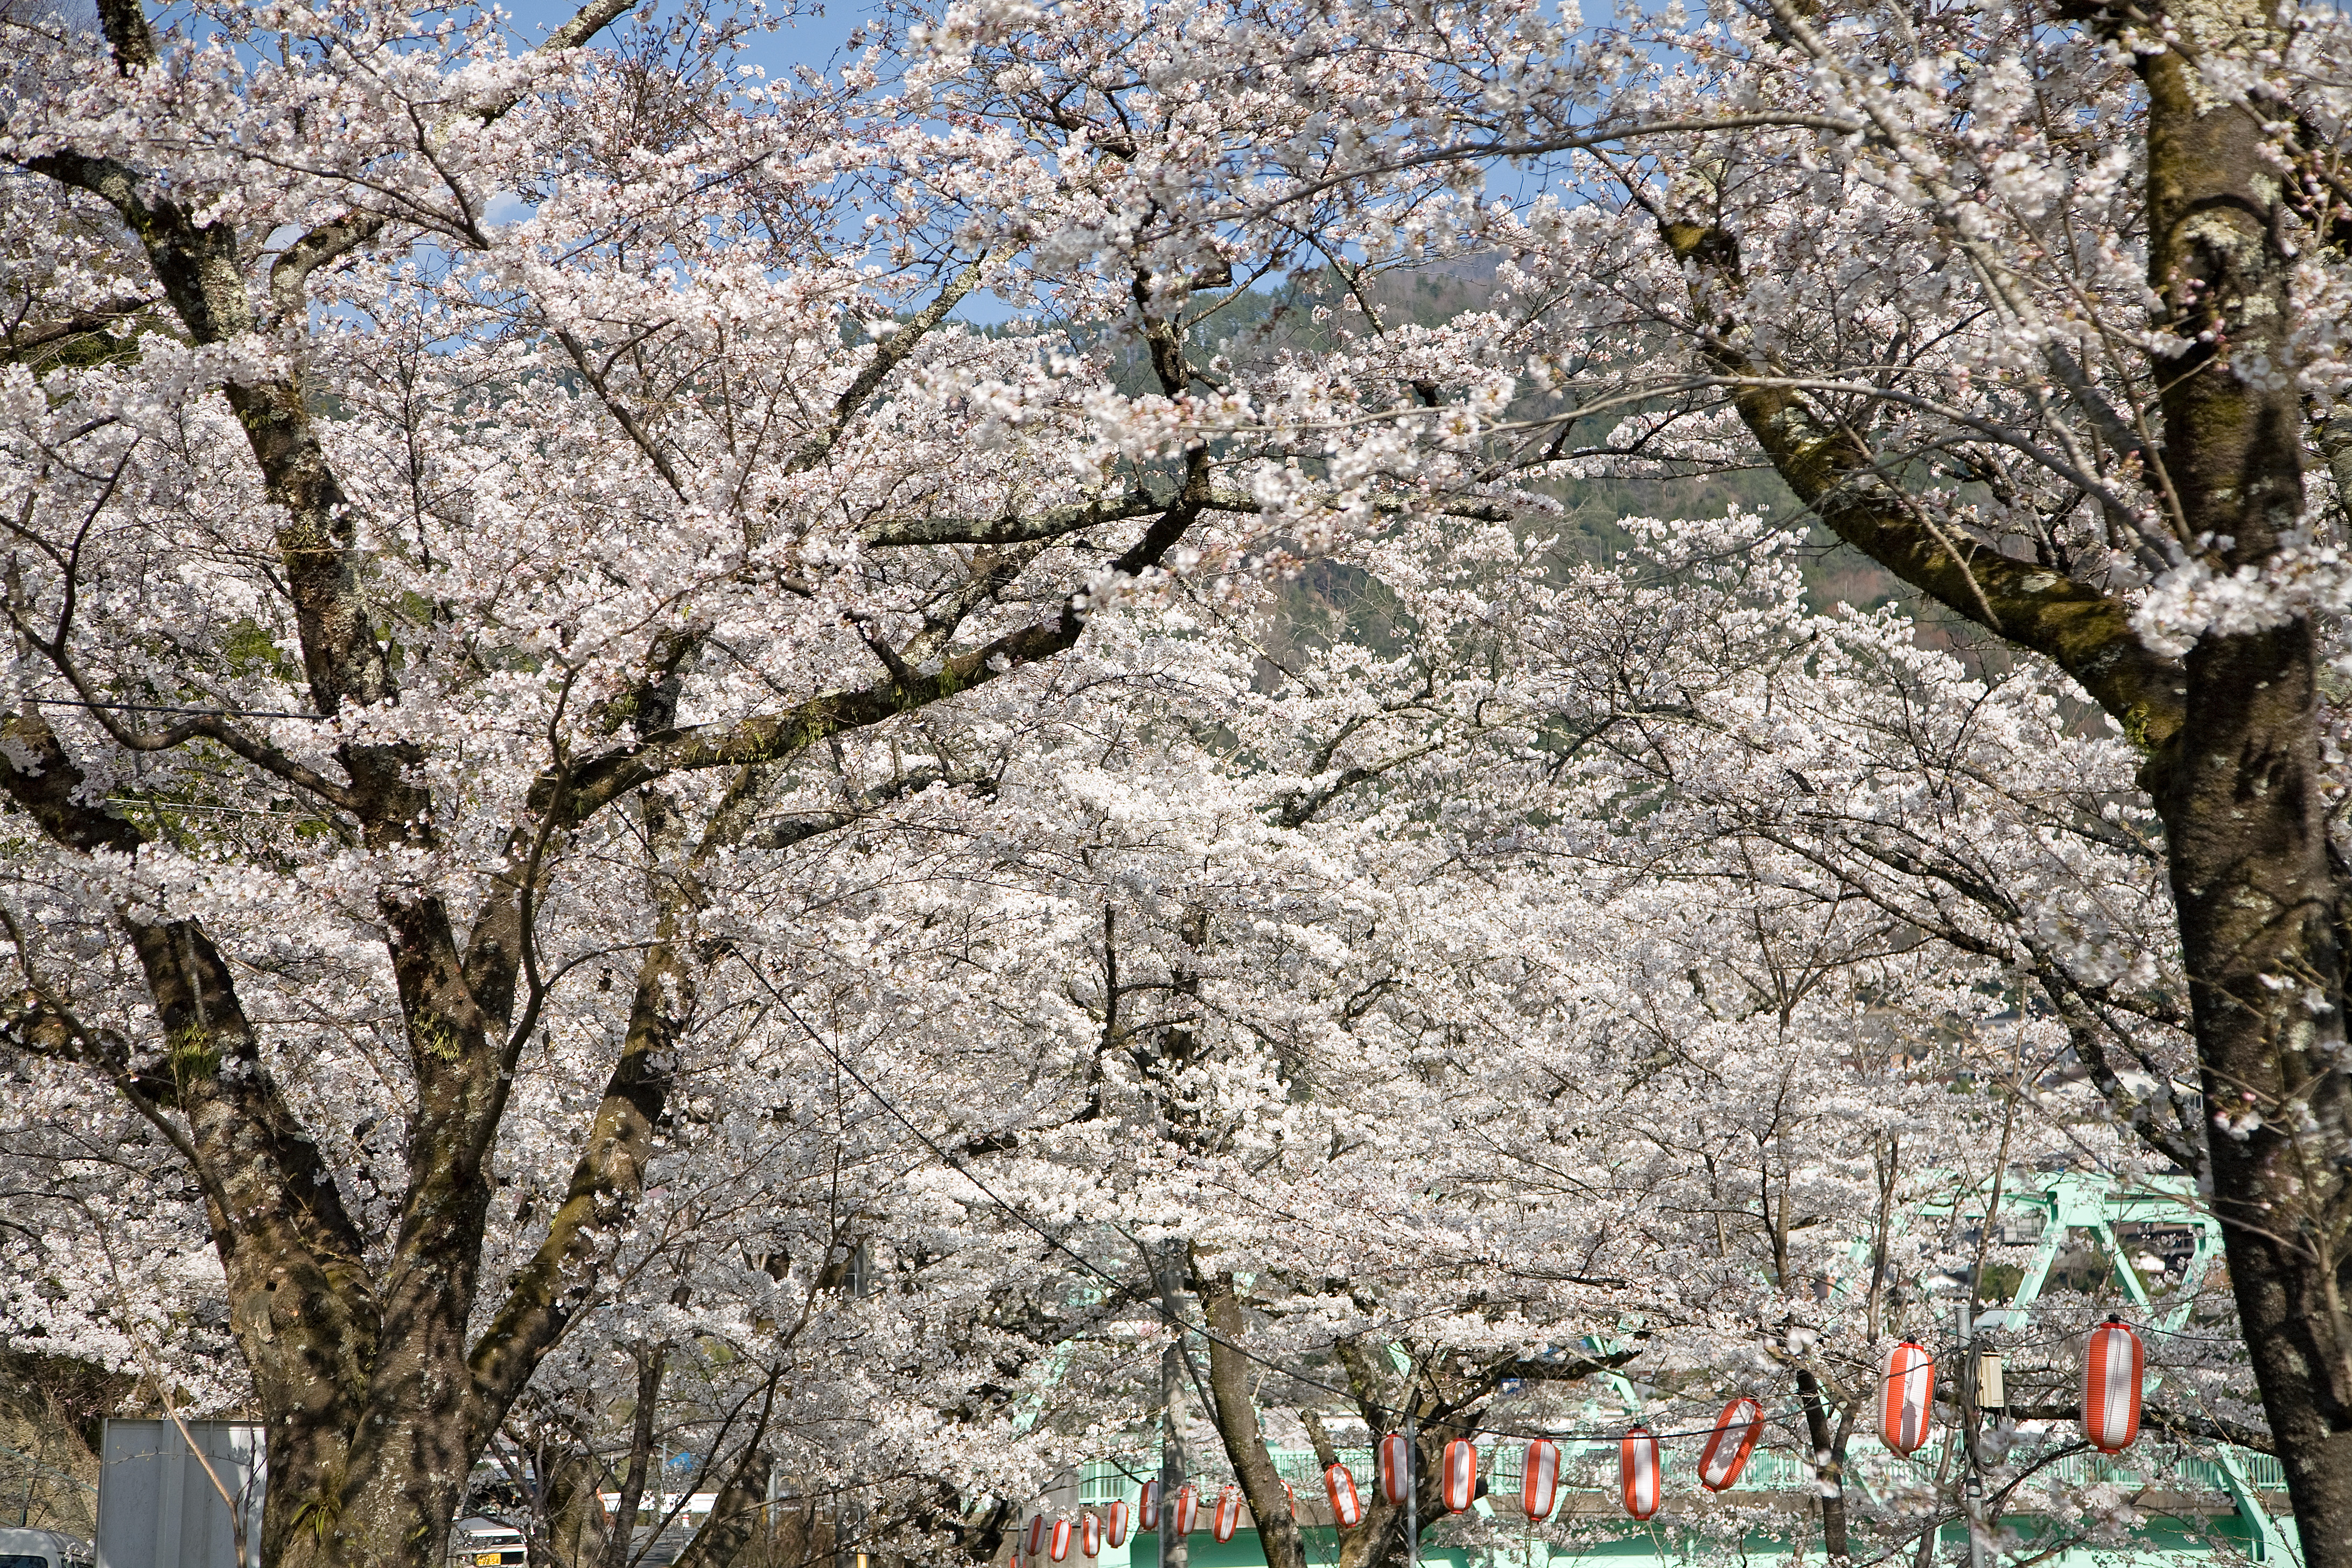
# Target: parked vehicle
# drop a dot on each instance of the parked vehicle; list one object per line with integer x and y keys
{"x": 480, "y": 1542}
{"x": 43, "y": 1549}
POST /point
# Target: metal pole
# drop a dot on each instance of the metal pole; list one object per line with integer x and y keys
{"x": 1412, "y": 1482}
{"x": 1974, "y": 1485}
{"x": 1172, "y": 1546}
{"x": 1976, "y": 1518}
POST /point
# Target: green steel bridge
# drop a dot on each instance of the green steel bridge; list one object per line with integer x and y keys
{"x": 2220, "y": 1505}
{"x": 2193, "y": 1516}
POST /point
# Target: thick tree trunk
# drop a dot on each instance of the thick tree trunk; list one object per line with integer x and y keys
{"x": 1378, "y": 1522}
{"x": 2232, "y": 734}
{"x": 1828, "y": 1465}
{"x": 1235, "y": 1414}
{"x": 651, "y": 1362}
{"x": 570, "y": 1513}
{"x": 1378, "y": 1541}
{"x": 734, "y": 1518}
{"x": 735, "y": 1515}
{"x": 2249, "y": 873}
{"x": 2259, "y": 893}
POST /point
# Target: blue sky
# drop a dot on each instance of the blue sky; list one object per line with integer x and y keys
{"x": 816, "y": 35}
{"x": 814, "y": 38}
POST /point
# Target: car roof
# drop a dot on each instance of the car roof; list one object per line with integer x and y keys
{"x": 17, "y": 1541}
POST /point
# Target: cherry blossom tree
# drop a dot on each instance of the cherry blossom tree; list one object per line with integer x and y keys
{"x": 641, "y": 815}
{"x": 2038, "y": 308}
{"x": 1687, "y": 1054}
{"x": 1414, "y": 1137}
{"x": 2096, "y": 451}
{"x": 414, "y": 608}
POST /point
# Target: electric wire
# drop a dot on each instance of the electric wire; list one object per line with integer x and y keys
{"x": 1173, "y": 1319}
{"x": 2177, "y": 1334}
{"x": 169, "y": 708}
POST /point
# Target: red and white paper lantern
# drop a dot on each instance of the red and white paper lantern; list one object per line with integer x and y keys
{"x": 1461, "y": 1475}
{"x": 1091, "y": 1537}
{"x": 1637, "y": 1467}
{"x": 1539, "y": 1485}
{"x": 1115, "y": 1527}
{"x": 1347, "y": 1507}
{"x": 1057, "y": 1546}
{"x": 1228, "y": 1517}
{"x": 1396, "y": 1469}
{"x": 1188, "y": 1511}
{"x": 2112, "y": 1366}
{"x": 1038, "y": 1525}
{"x": 1907, "y": 1403}
{"x": 1728, "y": 1446}
{"x": 1147, "y": 1512}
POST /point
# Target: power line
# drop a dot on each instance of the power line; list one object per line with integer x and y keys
{"x": 2239, "y": 1340}
{"x": 1173, "y": 1319}
{"x": 178, "y": 806}
{"x": 169, "y": 708}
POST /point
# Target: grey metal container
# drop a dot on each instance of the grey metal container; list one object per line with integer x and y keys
{"x": 161, "y": 1502}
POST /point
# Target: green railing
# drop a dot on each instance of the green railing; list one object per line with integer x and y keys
{"x": 1592, "y": 1466}
{"x": 2084, "y": 1469}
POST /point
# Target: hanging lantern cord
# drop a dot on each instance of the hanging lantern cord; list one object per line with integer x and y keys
{"x": 1173, "y": 1319}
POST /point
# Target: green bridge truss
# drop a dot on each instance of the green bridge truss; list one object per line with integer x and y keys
{"x": 2226, "y": 1503}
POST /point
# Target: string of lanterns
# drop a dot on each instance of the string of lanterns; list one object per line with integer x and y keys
{"x": 2114, "y": 1373}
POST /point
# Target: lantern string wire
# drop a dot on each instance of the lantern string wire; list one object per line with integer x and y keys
{"x": 174, "y": 708}
{"x": 2177, "y": 1334}
{"x": 1176, "y": 1319}
{"x": 1173, "y": 1319}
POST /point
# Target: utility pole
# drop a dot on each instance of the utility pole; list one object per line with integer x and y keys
{"x": 768, "y": 1510}
{"x": 1974, "y": 1484}
{"x": 849, "y": 1515}
{"x": 1411, "y": 1477}
{"x": 1173, "y": 1545}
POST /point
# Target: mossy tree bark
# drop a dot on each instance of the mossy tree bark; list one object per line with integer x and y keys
{"x": 2230, "y": 733}
{"x": 2261, "y": 894}
{"x": 376, "y": 1400}
{"x": 1235, "y": 1412}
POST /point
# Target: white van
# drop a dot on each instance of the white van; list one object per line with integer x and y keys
{"x": 43, "y": 1549}
{"x": 476, "y": 1542}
